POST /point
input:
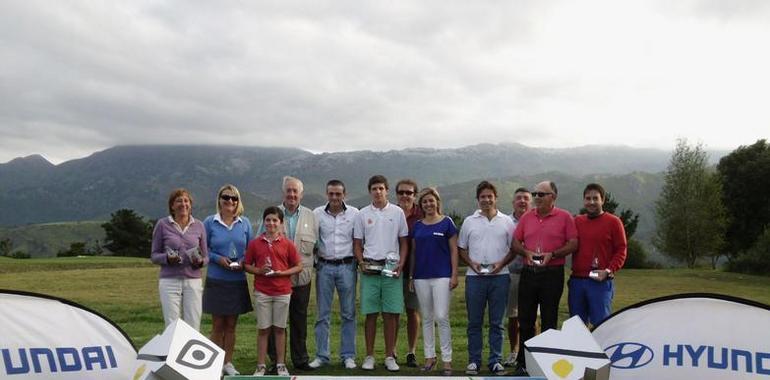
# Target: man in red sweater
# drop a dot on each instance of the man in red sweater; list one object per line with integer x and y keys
{"x": 601, "y": 253}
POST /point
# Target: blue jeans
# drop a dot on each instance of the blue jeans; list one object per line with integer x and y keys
{"x": 591, "y": 300}
{"x": 481, "y": 291}
{"x": 342, "y": 277}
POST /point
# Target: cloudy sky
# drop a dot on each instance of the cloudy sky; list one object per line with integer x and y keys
{"x": 81, "y": 76}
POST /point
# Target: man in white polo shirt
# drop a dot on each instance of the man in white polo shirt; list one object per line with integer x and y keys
{"x": 484, "y": 244}
{"x": 380, "y": 231}
{"x": 335, "y": 269}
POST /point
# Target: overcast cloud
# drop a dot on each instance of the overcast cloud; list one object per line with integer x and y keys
{"x": 81, "y": 76}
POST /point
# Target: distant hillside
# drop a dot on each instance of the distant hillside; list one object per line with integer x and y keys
{"x": 636, "y": 191}
{"x": 45, "y": 240}
{"x": 139, "y": 177}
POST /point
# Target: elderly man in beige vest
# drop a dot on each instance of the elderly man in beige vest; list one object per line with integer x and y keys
{"x": 300, "y": 226}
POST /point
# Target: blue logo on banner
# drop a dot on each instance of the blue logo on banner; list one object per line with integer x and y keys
{"x": 629, "y": 355}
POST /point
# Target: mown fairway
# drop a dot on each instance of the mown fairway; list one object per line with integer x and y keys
{"x": 125, "y": 290}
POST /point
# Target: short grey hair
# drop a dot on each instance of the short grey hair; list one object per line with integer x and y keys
{"x": 287, "y": 179}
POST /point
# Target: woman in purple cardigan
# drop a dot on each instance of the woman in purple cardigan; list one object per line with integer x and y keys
{"x": 179, "y": 247}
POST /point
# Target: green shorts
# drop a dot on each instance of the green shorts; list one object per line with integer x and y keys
{"x": 381, "y": 294}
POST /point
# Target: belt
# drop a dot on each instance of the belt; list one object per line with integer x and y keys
{"x": 608, "y": 278}
{"x": 344, "y": 260}
{"x": 537, "y": 269}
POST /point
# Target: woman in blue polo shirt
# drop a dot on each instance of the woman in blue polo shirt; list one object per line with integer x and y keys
{"x": 226, "y": 294}
{"x": 434, "y": 275}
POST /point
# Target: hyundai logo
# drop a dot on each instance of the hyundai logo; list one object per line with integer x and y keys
{"x": 629, "y": 355}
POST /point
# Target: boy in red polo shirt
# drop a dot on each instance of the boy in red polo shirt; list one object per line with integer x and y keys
{"x": 272, "y": 258}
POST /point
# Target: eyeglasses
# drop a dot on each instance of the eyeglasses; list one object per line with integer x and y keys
{"x": 539, "y": 194}
{"x": 405, "y": 192}
{"x": 226, "y": 197}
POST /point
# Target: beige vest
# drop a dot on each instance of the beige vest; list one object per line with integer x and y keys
{"x": 304, "y": 239}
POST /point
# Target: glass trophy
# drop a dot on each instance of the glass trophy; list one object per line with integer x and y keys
{"x": 233, "y": 256}
{"x": 537, "y": 259}
{"x": 171, "y": 252}
{"x": 594, "y": 273}
{"x": 391, "y": 263}
{"x": 269, "y": 266}
{"x": 194, "y": 254}
{"x": 485, "y": 267}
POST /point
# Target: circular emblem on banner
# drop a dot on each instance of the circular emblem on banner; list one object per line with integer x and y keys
{"x": 629, "y": 355}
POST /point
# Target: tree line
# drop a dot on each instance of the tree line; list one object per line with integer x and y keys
{"x": 717, "y": 212}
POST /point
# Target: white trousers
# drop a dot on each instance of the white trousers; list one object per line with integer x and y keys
{"x": 434, "y": 295}
{"x": 181, "y": 297}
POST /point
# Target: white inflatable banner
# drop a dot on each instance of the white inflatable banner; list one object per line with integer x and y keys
{"x": 43, "y": 337}
{"x": 688, "y": 336}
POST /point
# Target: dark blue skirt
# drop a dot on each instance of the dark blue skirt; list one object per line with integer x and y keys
{"x": 226, "y": 297}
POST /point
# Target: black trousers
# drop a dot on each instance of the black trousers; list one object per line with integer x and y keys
{"x": 300, "y": 297}
{"x": 538, "y": 287}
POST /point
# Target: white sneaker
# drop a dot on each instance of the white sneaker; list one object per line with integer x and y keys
{"x": 260, "y": 370}
{"x": 350, "y": 363}
{"x": 316, "y": 363}
{"x": 497, "y": 369}
{"x": 368, "y": 363}
{"x": 281, "y": 369}
{"x": 229, "y": 369}
{"x": 390, "y": 364}
{"x": 472, "y": 369}
{"x": 511, "y": 360}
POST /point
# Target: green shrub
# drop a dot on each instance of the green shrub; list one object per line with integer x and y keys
{"x": 637, "y": 256}
{"x": 756, "y": 260}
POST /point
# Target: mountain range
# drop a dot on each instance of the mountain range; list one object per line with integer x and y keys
{"x": 139, "y": 177}
{"x": 35, "y": 191}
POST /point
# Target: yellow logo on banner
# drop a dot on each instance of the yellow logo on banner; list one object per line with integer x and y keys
{"x": 562, "y": 368}
{"x": 139, "y": 372}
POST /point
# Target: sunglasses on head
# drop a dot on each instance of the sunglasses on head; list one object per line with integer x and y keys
{"x": 226, "y": 197}
{"x": 539, "y": 194}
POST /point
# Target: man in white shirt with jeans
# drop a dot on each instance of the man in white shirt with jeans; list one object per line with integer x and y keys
{"x": 484, "y": 244}
{"x": 335, "y": 269}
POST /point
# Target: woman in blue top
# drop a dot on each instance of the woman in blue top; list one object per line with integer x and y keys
{"x": 226, "y": 294}
{"x": 434, "y": 275}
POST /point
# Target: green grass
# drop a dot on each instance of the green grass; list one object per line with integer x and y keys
{"x": 125, "y": 290}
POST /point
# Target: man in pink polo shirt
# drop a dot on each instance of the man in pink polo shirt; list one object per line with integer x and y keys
{"x": 544, "y": 236}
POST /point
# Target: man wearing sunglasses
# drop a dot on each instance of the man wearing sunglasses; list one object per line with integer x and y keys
{"x": 544, "y": 237}
{"x": 406, "y": 190}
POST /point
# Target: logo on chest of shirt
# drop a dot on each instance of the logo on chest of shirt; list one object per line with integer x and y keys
{"x": 369, "y": 221}
{"x": 438, "y": 234}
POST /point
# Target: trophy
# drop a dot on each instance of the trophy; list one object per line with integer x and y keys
{"x": 233, "y": 256}
{"x": 269, "y": 266}
{"x": 371, "y": 267}
{"x": 485, "y": 267}
{"x": 594, "y": 273}
{"x": 171, "y": 252}
{"x": 537, "y": 259}
{"x": 391, "y": 263}
{"x": 194, "y": 254}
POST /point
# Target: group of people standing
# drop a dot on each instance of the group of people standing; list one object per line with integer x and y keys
{"x": 401, "y": 257}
